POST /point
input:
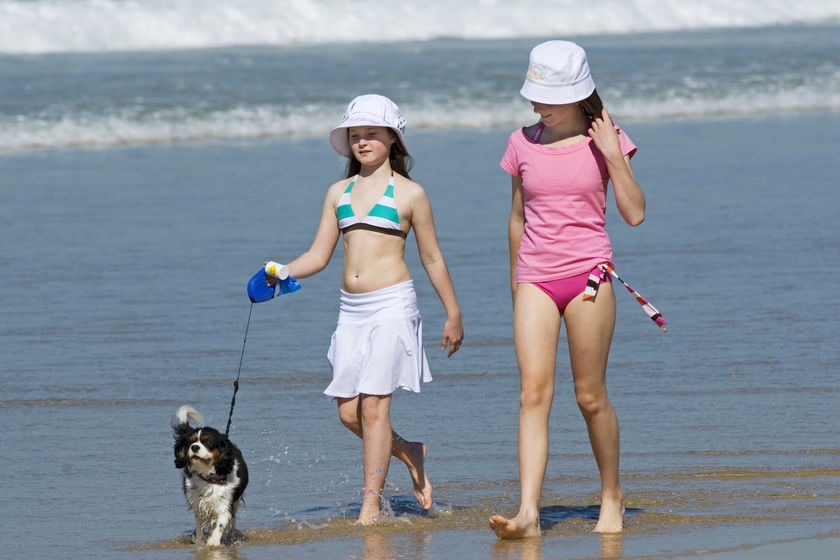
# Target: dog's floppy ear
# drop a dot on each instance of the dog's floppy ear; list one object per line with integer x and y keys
{"x": 224, "y": 464}
{"x": 181, "y": 455}
{"x": 181, "y": 433}
{"x": 181, "y": 459}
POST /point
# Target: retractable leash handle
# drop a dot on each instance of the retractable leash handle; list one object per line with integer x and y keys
{"x": 258, "y": 288}
{"x": 259, "y": 291}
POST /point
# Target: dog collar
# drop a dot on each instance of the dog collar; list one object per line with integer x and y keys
{"x": 212, "y": 479}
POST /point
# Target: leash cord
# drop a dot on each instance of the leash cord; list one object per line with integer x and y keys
{"x": 239, "y": 370}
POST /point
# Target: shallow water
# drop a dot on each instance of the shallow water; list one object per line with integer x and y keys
{"x": 124, "y": 273}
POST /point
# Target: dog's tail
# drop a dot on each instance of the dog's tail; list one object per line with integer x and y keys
{"x": 184, "y": 415}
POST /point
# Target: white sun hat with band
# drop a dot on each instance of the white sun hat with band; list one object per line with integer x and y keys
{"x": 368, "y": 110}
{"x": 558, "y": 73}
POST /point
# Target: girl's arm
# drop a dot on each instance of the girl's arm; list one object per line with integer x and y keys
{"x": 629, "y": 198}
{"x": 320, "y": 252}
{"x": 516, "y": 227}
{"x": 433, "y": 262}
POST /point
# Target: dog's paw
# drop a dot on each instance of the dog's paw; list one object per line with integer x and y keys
{"x": 234, "y": 536}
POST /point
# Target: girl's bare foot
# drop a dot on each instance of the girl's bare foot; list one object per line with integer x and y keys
{"x": 416, "y": 461}
{"x": 369, "y": 520}
{"x": 371, "y": 512}
{"x": 611, "y": 518}
{"x": 514, "y": 528}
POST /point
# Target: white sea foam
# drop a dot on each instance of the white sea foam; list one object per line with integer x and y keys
{"x": 102, "y": 99}
{"x": 182, "y": 125}
{"x": 56, "y": 26}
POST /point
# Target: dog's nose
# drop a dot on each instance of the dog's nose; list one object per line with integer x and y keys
{"x": 195, "y": 447}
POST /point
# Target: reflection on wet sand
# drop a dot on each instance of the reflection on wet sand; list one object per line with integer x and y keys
{"x": 219, "y": 553}
{"x": 378, "y": 547}
{"x": 387, "y": 546}
{"x": 612, "y": 545}
{"x": 521, "y": 549}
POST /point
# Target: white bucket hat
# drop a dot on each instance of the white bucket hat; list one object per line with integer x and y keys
{"x": 368, "y": 110}
{"x": 558, "y": 73}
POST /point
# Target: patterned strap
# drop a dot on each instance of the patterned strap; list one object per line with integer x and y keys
{"x": 592, "y": 289}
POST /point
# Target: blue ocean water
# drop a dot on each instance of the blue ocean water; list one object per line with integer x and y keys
{"x": 144, "y": 180}
{"x": 107, "y": 73}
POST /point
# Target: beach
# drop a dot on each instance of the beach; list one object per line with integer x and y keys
{"x": 154, "y": 154}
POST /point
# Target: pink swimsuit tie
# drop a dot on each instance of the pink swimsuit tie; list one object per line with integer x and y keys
{"x": 592, "y": 289}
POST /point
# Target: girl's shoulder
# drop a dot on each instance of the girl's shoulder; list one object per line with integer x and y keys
{"x": 408, "y": 193}
{"x": 524, "y": 137}
{"x": 335, "y": 190}
{"x": 339, "y": 186}
{"x": 407, "y": 185}
{"x": 526, "y": 132}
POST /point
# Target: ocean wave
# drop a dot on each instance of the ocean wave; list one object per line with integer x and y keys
{"x": 177, "y": 125}
{"x": 60, "y": 26}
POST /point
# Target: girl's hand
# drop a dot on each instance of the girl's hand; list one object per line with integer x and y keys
{"x": 603, "y": 133}
{"x": 629, "y": 198}
{"x": 453, "y": 336}
{"x": 278, "y": 272}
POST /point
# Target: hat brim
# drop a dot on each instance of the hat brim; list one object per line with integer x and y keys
{"x": 338, "y": 136}
{"x": 557, "y": 95}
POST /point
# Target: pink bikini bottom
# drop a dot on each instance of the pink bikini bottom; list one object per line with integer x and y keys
{"x": 563, "y": 290}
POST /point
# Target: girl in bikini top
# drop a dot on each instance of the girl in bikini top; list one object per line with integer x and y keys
{"x": 383, "y": 217}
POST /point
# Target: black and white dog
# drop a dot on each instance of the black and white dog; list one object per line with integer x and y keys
{"x": 215, "y": 476}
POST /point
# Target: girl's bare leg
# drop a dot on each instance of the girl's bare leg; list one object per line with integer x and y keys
{"x": 376, "y": 453}
{"x": 589, "y": 327}
{"x": 411, "y": 453}
{"x": 536, "y": 329}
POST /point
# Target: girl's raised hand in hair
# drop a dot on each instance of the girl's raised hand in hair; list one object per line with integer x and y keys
{"x": 603, "y": 133}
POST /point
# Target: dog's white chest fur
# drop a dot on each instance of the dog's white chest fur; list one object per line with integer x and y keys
{"x": 209, "y": 497}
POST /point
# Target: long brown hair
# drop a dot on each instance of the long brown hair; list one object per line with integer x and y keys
{"x": 592, "y": 106}
{"x": 401, "y": 160}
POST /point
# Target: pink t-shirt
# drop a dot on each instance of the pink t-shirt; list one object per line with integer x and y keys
{"x": 565, "y": 195}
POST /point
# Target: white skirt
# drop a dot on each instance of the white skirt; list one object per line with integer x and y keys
{"x": 377, "y": 345}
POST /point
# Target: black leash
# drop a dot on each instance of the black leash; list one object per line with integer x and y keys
{"x": 239, "y": 371}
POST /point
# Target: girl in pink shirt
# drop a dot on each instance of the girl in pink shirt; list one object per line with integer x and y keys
{"x": 559, "y": 171}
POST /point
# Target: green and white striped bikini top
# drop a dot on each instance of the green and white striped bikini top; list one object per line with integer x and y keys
{"x": 383, "y": 217}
